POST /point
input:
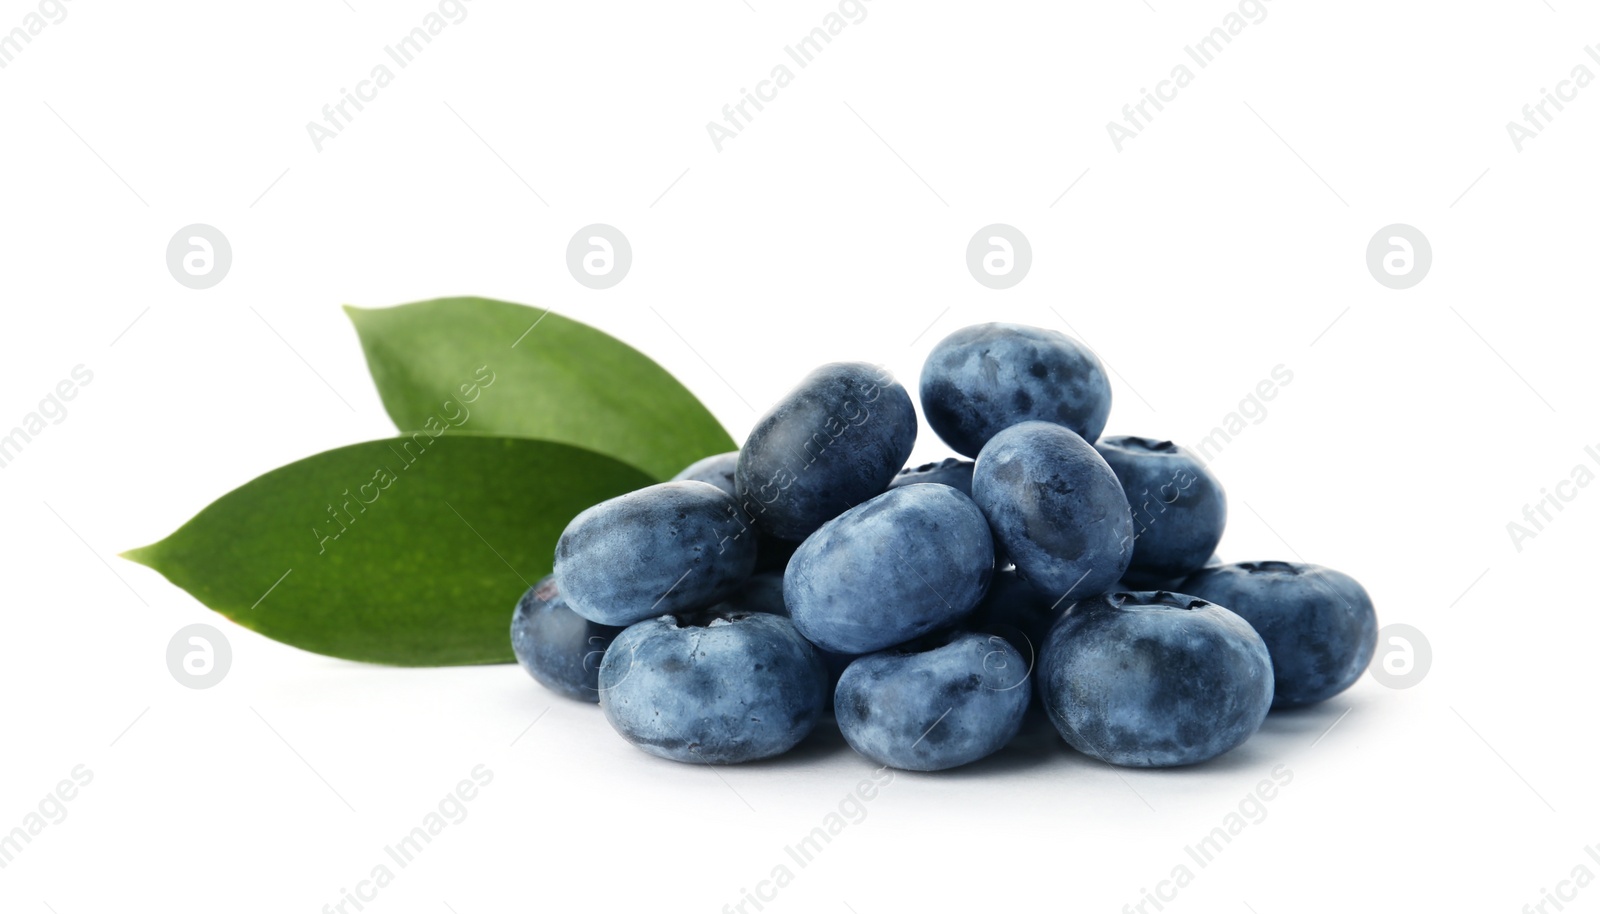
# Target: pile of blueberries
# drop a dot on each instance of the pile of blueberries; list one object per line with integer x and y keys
{"x": 718, "y": 617}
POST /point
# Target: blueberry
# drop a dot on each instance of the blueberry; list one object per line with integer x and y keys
{"x": 927, "y": 707}
{"x": 1178, "y": 505}
{"x": 718, "y": 688}
{"x": 1056, "y": 507}
{"x": 831, "y": 443}
{"x": 912, "y": 560}
{"x": 1318, "y": 624}
{"x": 716, "y": 470}
{"x": 1154, "y": 679}
{"x": 558, "y": 647}
{"x": 670, "y": 547}
{"x": 988, "y": 377}
{"x": 952, "y": 472}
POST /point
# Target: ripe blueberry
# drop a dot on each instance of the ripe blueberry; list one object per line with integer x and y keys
{"x": 935, "y": 705}
{"x": 831, "y": 443}
{"x": 716, "y": 470}
{"x": 1056, "y": 507}
{"x": 1154, "y": 679}
{"x": 670, "y": 547}
{"x": 558, "y": 647}
{"x": 912, "y": 560}
{"x": 1177, "y": 504}
{"x": 985, "y": 378}
{"x": 718, "y": 688}
{"x": 1318, "y": 624}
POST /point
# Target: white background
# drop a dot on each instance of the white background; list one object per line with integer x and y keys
{"x": 1223, "y": 241}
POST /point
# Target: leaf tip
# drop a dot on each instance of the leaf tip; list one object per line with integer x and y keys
{"x": 142, "y": 555}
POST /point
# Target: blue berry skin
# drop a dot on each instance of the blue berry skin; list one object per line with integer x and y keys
{"x": 716, "y": 470}
{"x": 988, "y": 377}
{"x": 912, "y": 560}
{"x": 717, "y": 688}
{"x": 1178, "y": 505}
{"x": 1154, "y": 679}
{"x": 1056, "y": 507}
{"x": 670, "y": 547}
{"x": 928, "y": 708}
{"x": 831, "y": 443}
{"x": 558, "y": 647}
{"x": 763, "y": 593}
{"x": 772, "y": 554}
{"x": 952, "y": 472}
{"x": 1318, "y": 624}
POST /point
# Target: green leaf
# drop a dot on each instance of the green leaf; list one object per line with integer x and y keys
{"x": 409, "y": 550}
{"x": 533, "y": 374}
